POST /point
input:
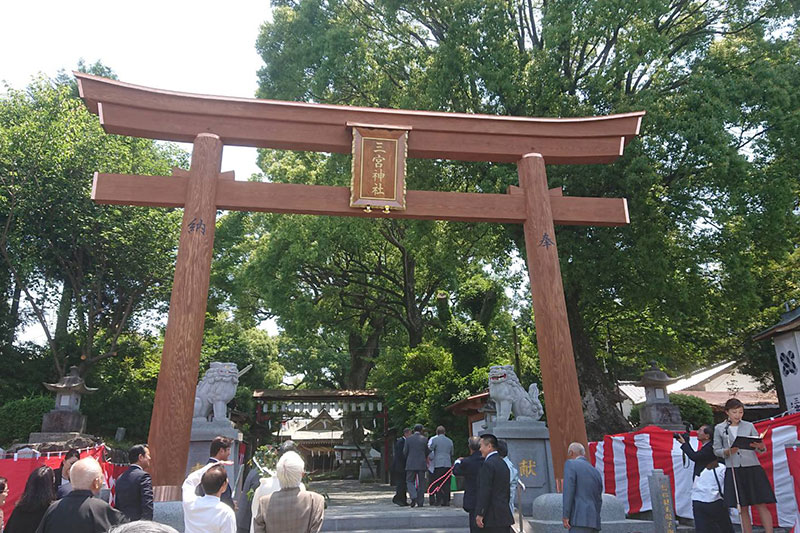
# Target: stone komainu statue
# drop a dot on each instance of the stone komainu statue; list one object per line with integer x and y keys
{"x": 509, "y": 396}
{"x": 215, "y": 390}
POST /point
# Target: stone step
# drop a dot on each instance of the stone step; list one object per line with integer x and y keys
{"x": 425, "y": 530}
{"x": 378, "y": 518}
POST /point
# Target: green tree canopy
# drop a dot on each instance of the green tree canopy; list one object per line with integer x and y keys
{"x": 711, "y": 183}
{"x": 99, "y": 270}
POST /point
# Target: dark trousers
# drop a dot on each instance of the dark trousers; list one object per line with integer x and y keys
{"x": 442, "y": 496}
{"x": 416, "y": 485}
{"x": 473, "y": 527}
{"x": 711, "y": 517}
{"x": 400, "y": 487}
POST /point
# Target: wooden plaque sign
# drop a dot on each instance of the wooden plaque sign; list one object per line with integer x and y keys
{"x": 379, "y": 169}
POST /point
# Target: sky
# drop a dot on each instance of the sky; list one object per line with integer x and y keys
{"x": 194, "y": 46}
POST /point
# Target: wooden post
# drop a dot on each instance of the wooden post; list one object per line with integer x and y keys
{"x": 171, "y": 424}
{"x": 556, "y": 359}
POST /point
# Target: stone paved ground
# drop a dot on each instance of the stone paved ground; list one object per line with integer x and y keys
{"x": 351, "y": 492}
{"x": 367, "y": 508}
{"x": 377, "y": 498}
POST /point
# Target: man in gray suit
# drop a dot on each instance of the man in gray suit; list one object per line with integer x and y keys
{"x": 583, "y": 492}
{"x": 416, "y": 452}
{"x": 442, "y": 448}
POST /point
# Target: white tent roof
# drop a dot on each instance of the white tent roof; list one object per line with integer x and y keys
{"x": 637, "y": 396}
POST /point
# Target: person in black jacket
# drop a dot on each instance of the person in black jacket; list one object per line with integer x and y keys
{"x": 470, "y": 467}
{"x": 39, "y": 494}
{"x": 134, "y": 492}
{"x": 493, "y": 514}
{"x": 79, "y": 511}
{"x": 416, "y": 452}
{"x": 399, "y": 470}
{"x": 705, "y": 454}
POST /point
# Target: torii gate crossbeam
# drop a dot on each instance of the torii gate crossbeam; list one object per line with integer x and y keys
{"x": 211, "y": 122}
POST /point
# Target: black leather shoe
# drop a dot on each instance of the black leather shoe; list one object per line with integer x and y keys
{"x": 413, "y": 504}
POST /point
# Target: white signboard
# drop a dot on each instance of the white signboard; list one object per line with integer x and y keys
{"x": 787, "y": 350}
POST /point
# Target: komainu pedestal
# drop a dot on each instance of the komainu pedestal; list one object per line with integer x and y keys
{"x": 529, "y": 450}
{"x": 528, "y": 438}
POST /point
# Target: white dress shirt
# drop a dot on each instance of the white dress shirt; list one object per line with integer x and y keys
{"x": 205, "y": 514}
{"x": 705, "y": 488}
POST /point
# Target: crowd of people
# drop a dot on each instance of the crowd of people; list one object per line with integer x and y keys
{"x": 727, "y": 474}
{"x": 423, "y": 464}
{"x": 67, "y": 500}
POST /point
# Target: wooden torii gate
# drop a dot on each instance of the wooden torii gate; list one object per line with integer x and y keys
{"x": 210, "y": 122}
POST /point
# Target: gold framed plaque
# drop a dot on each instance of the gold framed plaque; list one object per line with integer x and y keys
{"x": 379, "y": 168}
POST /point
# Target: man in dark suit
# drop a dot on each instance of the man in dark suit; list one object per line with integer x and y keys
{"x": 470, "y": 467}
{"x": 79, "y": 511}
{"x": 705, "y": 454}
{"x": 220, "y": 451}
{"x": 492, "y": 513}
{"x": 416, "y": 451}
{"x": 399, "y": 469}
{"x": 134, "y": 489}
{"x": 583, "y": 492}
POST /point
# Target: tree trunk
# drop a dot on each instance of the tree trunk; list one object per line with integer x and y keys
{"x": 598, "y": 392}
{"x": 64, "y": 310}
{"x": 13, "y": 315}
{"x": 363, "y": 354}
{"x": 413, "y": 312}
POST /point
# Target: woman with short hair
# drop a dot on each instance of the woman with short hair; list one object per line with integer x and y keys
{"x": 746, "y": 483}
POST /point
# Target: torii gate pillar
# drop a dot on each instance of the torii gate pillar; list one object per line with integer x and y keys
{"x": 557, "y": 362}
{"x": 171, "y": 423}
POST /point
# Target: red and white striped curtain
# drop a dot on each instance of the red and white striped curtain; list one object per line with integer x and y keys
{"x": 626, "y": 461}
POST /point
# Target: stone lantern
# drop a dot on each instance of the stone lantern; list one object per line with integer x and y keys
{"x": 66, "y": 416}
{"x": 785, "y": 336}
{"x": 657, "y": 409}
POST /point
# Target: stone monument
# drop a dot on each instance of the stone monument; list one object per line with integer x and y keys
{"x": 548, "y": 510}
{"x": 65, "y": 422}
{"x": 210, "y": 420}
{"x": 657, "y": 409}
{"x": 527, "y": 436}
{"x": 663, "y": 507}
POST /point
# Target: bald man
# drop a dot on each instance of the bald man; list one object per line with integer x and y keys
{"x": 583, "y": 492}
{"x": 79, "y": 511}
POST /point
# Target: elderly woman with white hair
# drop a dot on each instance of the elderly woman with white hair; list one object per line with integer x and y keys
{"x": 290, "y": 510}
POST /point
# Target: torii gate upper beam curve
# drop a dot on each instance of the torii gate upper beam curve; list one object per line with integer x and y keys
{"x": 128, "y": 109}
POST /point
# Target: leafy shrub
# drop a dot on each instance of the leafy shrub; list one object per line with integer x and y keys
{"x": 19, "y": 418}
{"x": 694, "y": 410}
{"x": 635, "y": 417}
